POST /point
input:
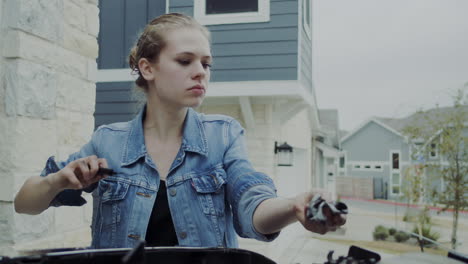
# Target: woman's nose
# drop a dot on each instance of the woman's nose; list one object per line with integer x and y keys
{"x": 199, "y": 71}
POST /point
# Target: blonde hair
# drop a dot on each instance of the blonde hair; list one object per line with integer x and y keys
{"x": 152, "y": 41}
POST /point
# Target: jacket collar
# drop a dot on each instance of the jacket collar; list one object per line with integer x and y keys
{"x": 193, "y": 139}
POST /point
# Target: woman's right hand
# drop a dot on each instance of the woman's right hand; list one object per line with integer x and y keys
{"x": 78, "y": 174}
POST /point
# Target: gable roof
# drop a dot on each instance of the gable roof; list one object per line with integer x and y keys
{"x": 397, "y": 125}
{"x": 377, "y": 121}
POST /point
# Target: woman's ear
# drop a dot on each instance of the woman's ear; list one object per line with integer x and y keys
{"x": 146, "y": 69}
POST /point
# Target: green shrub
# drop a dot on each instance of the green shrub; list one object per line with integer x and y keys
{"x": 426, "y": 232}
{"x": 401, "y": 236}
{"x": 392, "y": 231}
{"x": 380, "y": 233}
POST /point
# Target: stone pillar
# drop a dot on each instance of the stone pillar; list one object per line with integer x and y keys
{"x": 47, "y": 98}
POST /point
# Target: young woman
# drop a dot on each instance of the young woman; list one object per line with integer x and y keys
{"x": 181, "y": 178}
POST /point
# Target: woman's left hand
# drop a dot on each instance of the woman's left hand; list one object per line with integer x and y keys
{"x": 334, "y": 221}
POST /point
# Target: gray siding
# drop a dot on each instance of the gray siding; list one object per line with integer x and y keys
{"x": 242, "y": 52}
{"x": 254, "y": 51}
{"x": 115, "y": 102}
{"x": 373, "y": 143}
{"x": 121, "y": 21}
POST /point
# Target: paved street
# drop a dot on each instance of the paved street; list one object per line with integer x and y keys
{"x": 294, "y": 246}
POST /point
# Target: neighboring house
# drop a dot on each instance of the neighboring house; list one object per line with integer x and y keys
{"x": 261, "y": 75}
{"x": 327, "y": 151}
{"x": 376, "y": 155}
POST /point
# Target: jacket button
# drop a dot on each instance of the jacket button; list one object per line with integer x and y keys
{"x": 173, "y": 192}
{"x": 183, "y": 235}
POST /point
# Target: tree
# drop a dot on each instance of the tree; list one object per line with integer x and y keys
{"x": 440, "y": 138}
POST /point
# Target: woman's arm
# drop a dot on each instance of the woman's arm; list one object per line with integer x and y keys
{"x": 274, "y": 214}
{"x": 37, "y": 192}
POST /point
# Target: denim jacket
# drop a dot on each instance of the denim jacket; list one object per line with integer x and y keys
{"x": 212, "y": 188}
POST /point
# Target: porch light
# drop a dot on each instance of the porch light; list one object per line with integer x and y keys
{"x": 284, "y": 154}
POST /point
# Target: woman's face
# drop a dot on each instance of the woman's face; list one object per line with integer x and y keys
{"x": 182, "y": 72}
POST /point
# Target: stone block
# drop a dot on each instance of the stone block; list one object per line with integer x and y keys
{"x": 68, "y": 218}
{"x": 75, "y": 15}
{"x": 94, "y": 2}
{"x": 26, "y": 46}
{"x": 75, "y": 94}
{"x": 32, "y": 227}
{"x": 43, "y": 18}
{"x": 92, "y": 19}
{"x": 34, "y": 141}
{"x": 7, "y": 191}
{"x": 74, "y": 130}
{"x": 92, "y": 71}
{"x": 78, "y": 238}
{"x": 88, "y": 209}
{"x": 26, "y": 145}
{"x": 6, "y": 223}
{"x": 30, "y": 90}
{"x": 80, "y": 42}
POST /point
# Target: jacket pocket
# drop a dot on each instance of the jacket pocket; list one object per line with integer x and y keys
{"x": 210, "y": 188}
{"x": 113, "y": 195}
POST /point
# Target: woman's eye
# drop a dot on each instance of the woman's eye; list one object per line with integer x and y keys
{"x": 184, "y": 62}
{"x": 206, "y": 65}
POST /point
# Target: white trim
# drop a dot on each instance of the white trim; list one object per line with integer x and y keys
{"x": 327, "y": 151}
{"x": 225, "y": 89}
{"x": 247, "y": 113}
{"x": 287, "y": 111}
{"x": 363, "y": 124}
{"x": 115, "y": 75}
{"x": 254, "y": 88}
{"x": 299, "y": 41}
{"x": 263, "y": 14}
{"x": 308, "y": 30}
{"x": 167, "y": 6}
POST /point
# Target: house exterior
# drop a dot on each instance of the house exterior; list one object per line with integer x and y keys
{"x": 376, "y": 157}
{"x": 375, "y": 154}
{"x": 327, "y": 151}
{"x": 262, "y": 76}
{"x": 261, "y": 73}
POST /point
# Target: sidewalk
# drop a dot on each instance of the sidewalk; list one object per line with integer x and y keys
{"x": 390, "y": 202}
{"x": 297, "y": 246}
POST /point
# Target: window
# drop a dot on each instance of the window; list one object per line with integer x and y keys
{"x": 226, "y": 7}
{"x": 376, "y": 166}
{"x": 342, "y": 162}
{"x": 433, "y": 153}
{"x": 395, "y": 183}
{"x": 212, "y": 12}
{"x": 395, "y": 161}
{"x": 395, "y": 173}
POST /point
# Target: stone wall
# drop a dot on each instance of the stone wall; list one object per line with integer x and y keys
{"x": 47, "y": 97}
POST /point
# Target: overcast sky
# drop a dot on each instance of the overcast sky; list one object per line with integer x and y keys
{"x": 388, "y": 58}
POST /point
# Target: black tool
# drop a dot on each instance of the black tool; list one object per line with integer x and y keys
{"x": 317, "y": 205}
{"x": 106, "y": 171}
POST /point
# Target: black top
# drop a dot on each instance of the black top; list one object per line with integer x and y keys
{"x": 160, "y": 231}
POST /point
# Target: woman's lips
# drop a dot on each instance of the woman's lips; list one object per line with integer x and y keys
{"x": 197, "y": 89}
